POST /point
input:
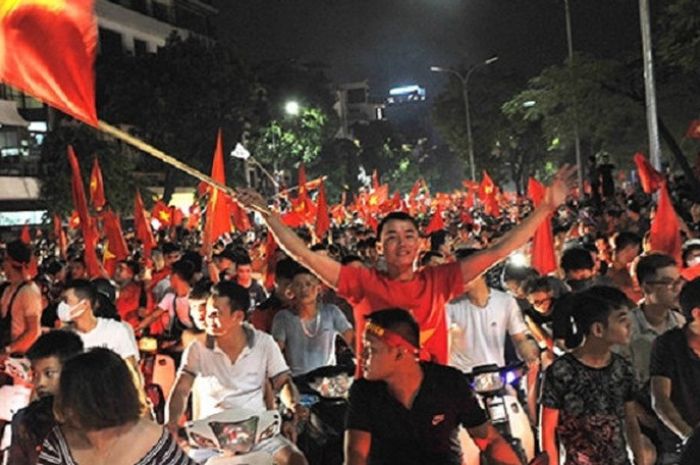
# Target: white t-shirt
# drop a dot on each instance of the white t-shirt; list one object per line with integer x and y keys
{"x": 225, "y": 385}
{"x": 478, "y": 335}
{"x": 113, "y": 335}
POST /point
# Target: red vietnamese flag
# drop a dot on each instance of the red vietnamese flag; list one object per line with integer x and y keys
{"x": 25, "y": 236}
{"x": 238, "y": 215}
{"x": 162, "y": 213}
{"x": 649, "y": 178}
{"x": 86, "y": 222}
{"x": 665, "y": 231}
{"x": 218, "y": 218}
{"x": 115, "y": 248}
{"x": 323, "y": 222}
{"x": 47, "y": 49}
{"x": 436, "y": 222}
{"x": 195, "y": 216}
{"x": 60, "y": 236}
{"x": 177, "y": 216}
{"x": 144, "y": 233}
{"x": 543, "y": 258}
{"x": 270, "y": 262}
{"x": 488, "y": 193}
{"x": 693, "y": 130}
{"x": 97, "y": 188}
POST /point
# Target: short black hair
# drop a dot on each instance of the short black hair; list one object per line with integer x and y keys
{"x": 398, "y": 216}
{"x": 648, "y": 265}
{"x": 184, "y": 269}
{"x": 437, "y": 239}
{"x": 201, "y": 289}
{"x": 169, "y": 247}
{"x": 237, "y": 295}
{"x": 302, "y": 270}
{"x": 56, "y": 343}
{"x": 594, "y": 305}
{"x": 19, "y": 252}
{"x": 97, "y": 391}
{"x": 538, "y": 284}
{"x": 83, "y": 290}
{"x": 577, "y": 258}
{"x": 689, "y": 298}
{"x": 625, "y": 239}
{"x": 519, "y": 274}
{"x": 285, "y": 268}
{"x": 133, "y": 265}
{"x": 243, "y": 259}
{"x": 399, "y": 321}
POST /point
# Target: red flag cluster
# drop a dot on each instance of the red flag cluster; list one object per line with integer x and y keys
{"x": 543, "y": 258}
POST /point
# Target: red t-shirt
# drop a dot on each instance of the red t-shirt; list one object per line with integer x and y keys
{"x": 129, "y": 301}
{"x": 424, "y": 296}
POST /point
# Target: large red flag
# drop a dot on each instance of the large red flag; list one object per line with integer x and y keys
{"x": 115, "y": 248}
{"x": 218, "y": 220}
{"x": 144, "y": 233}
{"x": 665, "y": 235}
{"x": 86, "y": 223}
{"x": 543, "y": 258}
{"x": 649, "y": 178}
{"x": 436, "y": 222}
{"x": 323, "y": 222}
{"x": 47, "y": 49}
{"x": 97, "y": 188}
{"x": 163, "y": 213}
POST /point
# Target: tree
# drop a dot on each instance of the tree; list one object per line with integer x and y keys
{"x": 117, "y": 169}
{"x": 679, "y": 34}
{"x": 177, "y": 99}
{"x": 606, "y": 97}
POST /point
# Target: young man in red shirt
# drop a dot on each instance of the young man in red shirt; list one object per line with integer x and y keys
{"x": 423, "y": 292}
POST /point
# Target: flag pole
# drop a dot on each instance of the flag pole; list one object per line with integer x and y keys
{"x": 164, "y": 157}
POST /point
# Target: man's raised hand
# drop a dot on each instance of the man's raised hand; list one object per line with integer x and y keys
{"x": 562, "y": 183}
{"x": 251, "y": 200}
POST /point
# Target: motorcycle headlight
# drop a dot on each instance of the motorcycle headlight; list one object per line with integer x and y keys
{"x": 488, "y": 382}
{"x": 237, "y": 437}
{"x": 148, "y": 345}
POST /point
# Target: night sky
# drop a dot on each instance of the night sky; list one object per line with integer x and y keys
{"x": 392, "y": 42}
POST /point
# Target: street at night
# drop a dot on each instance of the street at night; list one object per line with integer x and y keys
{"x": 398, "y": 232}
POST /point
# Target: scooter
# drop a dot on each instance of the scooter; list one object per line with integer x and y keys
{"x": 159, "y": 375}
{"x": 494, "y": 388}
{"x": 15, "y": 394}
{"x": 228, "y": 437}
{"x": 324, "y": 391}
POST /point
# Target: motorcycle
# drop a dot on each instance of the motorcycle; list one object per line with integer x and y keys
{"x": 229, "y": 437}
{"x": 324, "y": 391}
{"x": 158, "y": 372}
{"x": 15, "y": 394}
{"x": 494, "y": 388}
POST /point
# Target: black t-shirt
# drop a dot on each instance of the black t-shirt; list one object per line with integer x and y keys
{"x": 425, "y": 434}
{"x": 557, "y": 321}
{"x": 672, "y": 358}
{"x": 691, "y": 453}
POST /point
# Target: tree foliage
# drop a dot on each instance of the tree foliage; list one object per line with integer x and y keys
{"x": 117, "y": 169}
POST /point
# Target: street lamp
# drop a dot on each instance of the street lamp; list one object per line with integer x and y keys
{"x": 464, "y": 79}
{"x": 292, "y": 108}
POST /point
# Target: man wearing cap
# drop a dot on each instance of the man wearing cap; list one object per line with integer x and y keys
{"x": 408, "y": 411}
{"x": 20, "y": 303}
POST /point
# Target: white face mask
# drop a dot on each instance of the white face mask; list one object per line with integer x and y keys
{"x": 693, "y": 261}
{"x": 66, "y": 313}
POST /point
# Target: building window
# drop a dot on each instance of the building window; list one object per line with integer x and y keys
{"x": 111, "y": 42}
{"x": 140, "y": 47}
{"x": 357, "y": 96}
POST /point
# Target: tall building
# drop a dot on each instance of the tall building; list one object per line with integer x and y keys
{"x": 355, "y": 106}
{"x": 125, "y": 26}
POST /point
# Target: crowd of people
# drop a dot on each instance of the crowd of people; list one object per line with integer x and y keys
{"x": 611, "y": 338}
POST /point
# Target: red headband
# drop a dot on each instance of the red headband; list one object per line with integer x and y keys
{"x": 394, "y": 339}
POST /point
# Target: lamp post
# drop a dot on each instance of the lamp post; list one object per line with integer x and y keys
{"x": 577, "y": 138}
{"x": 464, "y": 80}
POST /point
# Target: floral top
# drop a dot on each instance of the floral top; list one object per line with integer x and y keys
{"x": 591, "y": 408}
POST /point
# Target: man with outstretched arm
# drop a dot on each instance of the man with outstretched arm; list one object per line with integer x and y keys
{"x": 422, "y": 292}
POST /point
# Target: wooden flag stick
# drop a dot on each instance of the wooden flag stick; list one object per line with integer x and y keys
{"x": 164, "y": 157}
